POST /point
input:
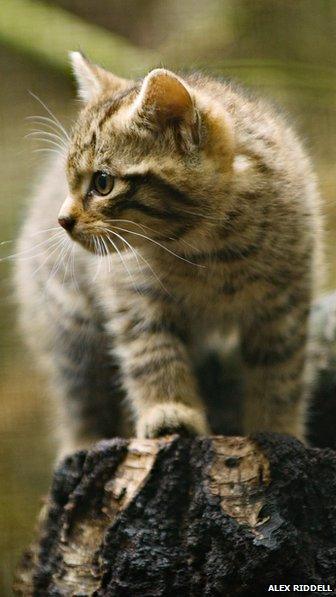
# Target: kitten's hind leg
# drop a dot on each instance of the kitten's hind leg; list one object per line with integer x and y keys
{"x": 86, "y": 381}
{"x": 274, "y": 347}
{"x": 71, "y": 343}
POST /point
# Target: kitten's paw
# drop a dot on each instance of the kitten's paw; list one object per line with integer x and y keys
{"x": 170, "y": 418}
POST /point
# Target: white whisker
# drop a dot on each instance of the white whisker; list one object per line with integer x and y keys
{"x": 49, "y": 150}
{"x": 137, "y": 253}
{"x": 54, "y": 118}
{"x": 49, "y": 254}
{"x": 67, "y": 262}
{"x": 201, "y": 215}
{"x": 97, "y": 251}
{"x": 131, "y": 222}
{"x": 160, "y": 245}
{"x": 49, "y": 124}
{"x": 47, "y": 136}
{"x": 73, "y": 270}
{"x": 52, "y": 143}
{"x": 106, "y": 251}
{"x": 46, "y": 230}
{"x": 40, "y": 244}
{"x": 41, "y": 253}
{"x": 123, "y": 262}
{"x": 58, "y": 261}
{"x": 100, "y": 248}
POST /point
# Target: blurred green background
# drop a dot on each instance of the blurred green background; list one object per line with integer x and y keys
{"x": 284, "y": 49}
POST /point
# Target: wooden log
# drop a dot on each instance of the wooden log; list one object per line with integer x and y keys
{"x": 196, "y": 517}
{"x": 215, "y": 516}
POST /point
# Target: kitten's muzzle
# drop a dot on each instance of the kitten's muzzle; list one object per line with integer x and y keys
{"x": 67, "y": 222}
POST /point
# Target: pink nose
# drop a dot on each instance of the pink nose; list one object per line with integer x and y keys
{"x": 67, "y": 222}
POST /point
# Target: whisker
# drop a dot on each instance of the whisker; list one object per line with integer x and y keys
{"x": 100, "y": 250}
{"x": 13, "y": 240}
{"x": 45, "y": 135}
{"x": 61, "y": 146}
{"x": 109, "y": 261}
{"x": 50, "y": 142}
{"x": 102, "y": 240}
{"x": 49, "y": 150}
{"x": 136, "y": 253}
{"x": 160, "y": 245}
{"x": 67, "y": 262}
{"x": 143, "y": 226}
{"x": 201, "y": 215}
{"x": 49, "y": 124}
{"x": 97, "y": 251}
{"x": 45, "y": 241}
{"x": 41, "y": 253}
{"x": 49, "y": 254}
{"x": 106, "y": 251}
{"x": 124, "y": 264}
{"x": 46, "y": 230}
{"x": 73, "y": 271}
{"x": 181, "y": 240}
{"x": 54, "y": 118}
{"x": 58, "y": 261}
{"x": 128, "y": 245}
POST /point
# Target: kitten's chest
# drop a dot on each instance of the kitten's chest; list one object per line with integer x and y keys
{"x": 204, "y": 297}
{"x": 211, "y": 294}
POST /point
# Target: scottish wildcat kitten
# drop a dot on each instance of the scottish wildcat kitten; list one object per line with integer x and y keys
{"x": 204, "y": 206}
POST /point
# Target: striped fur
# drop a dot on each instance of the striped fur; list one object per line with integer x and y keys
{"x": 215, "y": 214}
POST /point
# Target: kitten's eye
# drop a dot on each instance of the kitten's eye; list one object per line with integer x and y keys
{"x": 102, "y": 183}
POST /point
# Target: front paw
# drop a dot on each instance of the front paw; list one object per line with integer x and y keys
{"x": 169, "y": 418}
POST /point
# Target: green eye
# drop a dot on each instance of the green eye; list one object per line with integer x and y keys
{"x": 102, "y": 183}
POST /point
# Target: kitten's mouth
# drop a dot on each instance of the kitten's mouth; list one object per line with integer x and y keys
{"x": 85, "y": 240}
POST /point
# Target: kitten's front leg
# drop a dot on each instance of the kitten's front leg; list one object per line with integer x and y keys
{"x": 274, "y": 352}
{"x": 158, "y": 379}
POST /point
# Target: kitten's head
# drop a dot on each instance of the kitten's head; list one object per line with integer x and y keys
{"x": 146, "y": 159}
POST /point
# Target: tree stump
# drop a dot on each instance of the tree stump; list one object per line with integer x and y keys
{"x": 217, "y": 516}
{"x": 214, "y": 516}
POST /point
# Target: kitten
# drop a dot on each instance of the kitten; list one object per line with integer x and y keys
{"x": 204, "y": 206}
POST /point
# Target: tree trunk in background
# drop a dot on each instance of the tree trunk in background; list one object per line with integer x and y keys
{"x": 205, "y": 517}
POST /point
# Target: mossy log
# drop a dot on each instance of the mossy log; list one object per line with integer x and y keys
{"x": 216, "y": 516}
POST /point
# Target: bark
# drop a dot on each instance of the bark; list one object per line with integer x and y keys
{"x": 216, "y": 516}
{"x": 196, "y": 517}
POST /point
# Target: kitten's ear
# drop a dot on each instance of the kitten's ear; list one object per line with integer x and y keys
{"x": 165, "y": 98}
{"x": 92, "y": 79}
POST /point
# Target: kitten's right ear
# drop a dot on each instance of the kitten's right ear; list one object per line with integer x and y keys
{"x": 92, "y": 80}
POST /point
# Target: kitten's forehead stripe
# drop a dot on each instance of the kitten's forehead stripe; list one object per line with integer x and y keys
{"x": 113, "y": 105}
{"x": 88, "y": 139}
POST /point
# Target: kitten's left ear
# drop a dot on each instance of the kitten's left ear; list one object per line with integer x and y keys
{"x": 164, "y": 98}
{"x": 92, "y": 79}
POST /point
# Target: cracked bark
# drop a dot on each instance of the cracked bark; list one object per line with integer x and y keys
{"x": 210, "y": 516}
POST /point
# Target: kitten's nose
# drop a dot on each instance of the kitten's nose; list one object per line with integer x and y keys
{"x": 67, "y": 222}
